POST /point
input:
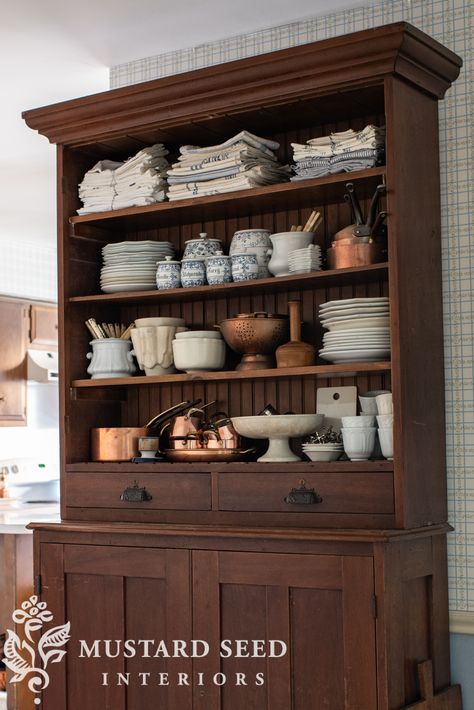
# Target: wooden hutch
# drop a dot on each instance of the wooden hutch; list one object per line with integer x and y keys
{"x": 356, "y": 584}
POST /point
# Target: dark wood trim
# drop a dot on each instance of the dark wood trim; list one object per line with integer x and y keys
{"x": 254, "y": 467}
{"x": 275, "y": 78}
{"x": 213, "y": 531}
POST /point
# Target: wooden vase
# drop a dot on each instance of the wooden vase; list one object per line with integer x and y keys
{"x": 295, "y": 353}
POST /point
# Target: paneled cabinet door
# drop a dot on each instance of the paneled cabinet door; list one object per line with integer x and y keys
{"x": 114, "y": 593}
{"x": 44, "y": 327}
{"x": 13, "y": 336}
{"x": 320, "y": 606}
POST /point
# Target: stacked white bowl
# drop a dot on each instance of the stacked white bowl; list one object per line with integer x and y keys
{"x": 358, "y": 436}
{"x": 379, "y": 403}
{"x": 323, "y": 452}
{"x": 199, "y": 351}
{"x": 302, "y": 261}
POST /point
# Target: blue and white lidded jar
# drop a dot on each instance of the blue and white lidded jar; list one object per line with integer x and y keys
{"x": 168, "y": 274}
{"x": 202, "y": 247}
{"x": 193, "y": 272}
{"x": 250, "y": 241}
{"x": 244, "y": 267}
{"x": 218, "y": 269}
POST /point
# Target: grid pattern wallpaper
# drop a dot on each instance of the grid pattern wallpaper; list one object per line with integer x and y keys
{"x": 452, "y": 23}
{"x": 28, "y": 270}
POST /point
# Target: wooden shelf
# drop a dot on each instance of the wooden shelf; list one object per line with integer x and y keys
{"x": 235, "y": 467}
{"x": 315, "y": 279}
{"x": 341, "y": 370}
{"x": 283, "y": 196}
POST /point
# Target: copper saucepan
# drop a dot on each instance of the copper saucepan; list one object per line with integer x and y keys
{"x": 121, "y": 443}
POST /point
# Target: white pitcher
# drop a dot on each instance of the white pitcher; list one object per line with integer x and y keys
{"x": 284, "y": 243}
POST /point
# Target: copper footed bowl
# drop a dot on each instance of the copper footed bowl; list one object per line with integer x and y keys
{"x": 256, "y": 336}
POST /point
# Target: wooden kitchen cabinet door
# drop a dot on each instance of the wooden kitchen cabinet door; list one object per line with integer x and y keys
{"x": 13, "y": 337}
{"x": 117, "y": 593}
{"x": 320, "y": 606}
{"x": 44, "y": 327}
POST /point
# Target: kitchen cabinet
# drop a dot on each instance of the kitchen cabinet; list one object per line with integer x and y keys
{"x": 13, "y": 334}
{"x": 356, "y": 610}
{"x": 43, "y": 327}
{"x": 355, "y": 576}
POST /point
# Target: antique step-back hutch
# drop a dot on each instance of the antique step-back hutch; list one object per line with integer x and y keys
{"x": 356, "y": 584}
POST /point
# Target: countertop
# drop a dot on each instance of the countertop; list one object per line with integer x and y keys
{"x": 15, "y": 516}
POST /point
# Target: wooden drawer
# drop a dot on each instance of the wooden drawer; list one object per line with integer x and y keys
{"x": 168, "y": 491}
{"x": 341, "y": 492}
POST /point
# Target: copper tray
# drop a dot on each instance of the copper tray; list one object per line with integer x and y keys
{"x": 207, "y": 455}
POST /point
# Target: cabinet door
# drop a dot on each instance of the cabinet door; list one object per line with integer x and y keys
{"x": 13, "y": 334}
{"x": 44, "y": 327}
{"x": 117, "y": 593}
{"x": 321, "y": 607}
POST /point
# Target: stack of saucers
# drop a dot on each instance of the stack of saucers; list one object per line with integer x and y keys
{"x": 359, "y": 330}
{"x": 131, "y": 266}
{"x": 302, "y": 261}
{"x": 323, "y": 452}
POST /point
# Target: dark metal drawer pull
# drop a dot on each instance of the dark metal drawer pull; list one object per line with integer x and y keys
{"x": 303, "y": 496}
{"x": 135, "y": 494}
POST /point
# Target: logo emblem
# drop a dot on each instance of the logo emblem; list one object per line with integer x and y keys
{"x": 30, "y": 657}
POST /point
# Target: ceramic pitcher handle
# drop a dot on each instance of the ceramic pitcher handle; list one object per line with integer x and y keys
{"x": 89, "y": 356}
{"x": 130, "y": 355}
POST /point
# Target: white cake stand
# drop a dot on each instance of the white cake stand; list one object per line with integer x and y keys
{"x": 278, "y": 429}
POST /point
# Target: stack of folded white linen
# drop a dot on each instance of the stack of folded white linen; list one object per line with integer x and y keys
{"x": 139, "y": 181}
{"x": 239, "y": 163}
{"x": 339, "y": 152}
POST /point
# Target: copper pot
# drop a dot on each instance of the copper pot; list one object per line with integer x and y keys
{"x": 116, "y": 443}
{"x": 256, "y": 336}
{"x": 343, "y": 256}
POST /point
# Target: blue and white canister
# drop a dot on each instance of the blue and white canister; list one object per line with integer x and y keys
{"x": 168, "y": 274}
{"x": 253, "y": 241}
{"x": 193, "y": 272}
{"x": 244, "y": 267}
{"x": 218, "y": 269}
{"x": 250, "y": 241}
{"x": 202, "y": 247}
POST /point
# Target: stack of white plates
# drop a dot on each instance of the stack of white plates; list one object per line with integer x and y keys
{"x": 131, "y": 266}
{"x": 359, "y": 330}
{"x": 302, "y": 261}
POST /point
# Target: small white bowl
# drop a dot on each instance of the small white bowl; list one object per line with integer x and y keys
{"x": 368, "y": 402}
{"x": 146, "y": 322}
{"x": 199, "y": 354}
{"x": 326, "y": 455}
{"x": 386, "y": 442}
{"x": 384, "y": 403}
{"x": 385, "y": 421}
{"x": 364, "y": 421}
{"x": 358, "y": 443}
{"x": 215, "y": 334}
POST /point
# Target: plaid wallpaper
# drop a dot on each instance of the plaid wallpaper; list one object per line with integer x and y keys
{"x": 450, "y": 22}
{"x": 28, "y": 270}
